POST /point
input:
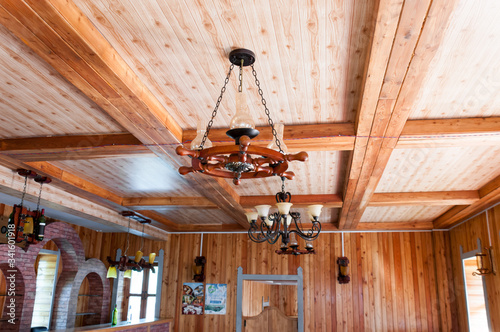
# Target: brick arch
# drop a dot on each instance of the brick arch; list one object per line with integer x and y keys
{"x": 95, "y": 271}
{"x": 16, "y": 283}
{"x": 73, "y": 257}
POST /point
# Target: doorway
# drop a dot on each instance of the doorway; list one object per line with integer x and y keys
{"x": 47, "y": 266}
{"x": 264, "y": 290}
{"x": 476, "y": 297}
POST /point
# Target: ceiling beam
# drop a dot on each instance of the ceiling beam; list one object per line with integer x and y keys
{"x": 415, "y": 43}
{"x": 384, "y": 34}
{"x": 63, "y": 36}
{"x": 74, "y": 147}
{"x": 449, "y": 133}
{"x": 328, "y": 201}
{"x": 489, "y": 195}
{"x": 62, "y": 200}
{"x": 151, "y": 203}
{"x": 399, "y": 226}
{"x": 425, "y": 198}
{"x": 317, "y": 137}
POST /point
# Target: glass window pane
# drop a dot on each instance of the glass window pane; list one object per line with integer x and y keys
{"x": 150, "y": 308}
{"x": 134, "y": 308}
{"x": 153, "y": 279}
{"x": 136, "y": 282}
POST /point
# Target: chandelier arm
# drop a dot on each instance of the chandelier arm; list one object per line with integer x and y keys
{"x": 316, "y": 226}
{"x": 309, "y": 235}
{"x": 214, "y": 112}
{"x": 255, "y": 235}
{"x": 264, "y": 103}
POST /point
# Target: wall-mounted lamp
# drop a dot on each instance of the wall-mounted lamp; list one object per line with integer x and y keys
{"x": 199, "y": 269}
{"x": 343, "y": 263}
{"x": 482, "y": 267}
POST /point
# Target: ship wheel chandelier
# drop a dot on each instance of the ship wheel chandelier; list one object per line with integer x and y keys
{"x": 284, "y": 224}
{"x": 241, "y": 160}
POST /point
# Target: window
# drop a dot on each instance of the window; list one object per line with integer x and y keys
{"x": 142, "y": 294}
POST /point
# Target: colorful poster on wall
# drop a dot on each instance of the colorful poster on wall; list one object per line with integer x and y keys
{"x": 193, "y": 295}
{"x": 215, "y": 302}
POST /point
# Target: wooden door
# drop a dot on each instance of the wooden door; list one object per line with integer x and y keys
{"x": 271, "y": 319}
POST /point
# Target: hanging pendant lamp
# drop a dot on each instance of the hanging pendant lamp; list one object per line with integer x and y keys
{"x": 241, "y": 160}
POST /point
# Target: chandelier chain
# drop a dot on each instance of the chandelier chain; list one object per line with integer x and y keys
{"x": 39, "y": 196}
{"x": 214, "y": 113}
{"x": 264, "y": 103}
{"x": 24, "y": 189}
{"x": 240, "y": 77}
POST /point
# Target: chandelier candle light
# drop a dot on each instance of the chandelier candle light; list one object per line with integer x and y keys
{"x": 279, "y": 225}
{"x": 241, "y": 160}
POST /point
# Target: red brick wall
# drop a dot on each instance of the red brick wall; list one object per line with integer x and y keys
{"x": 75, "y": 268}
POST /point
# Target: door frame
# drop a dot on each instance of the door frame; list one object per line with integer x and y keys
{"x": 467, "y": 255}
{"x": 266, "y": 277}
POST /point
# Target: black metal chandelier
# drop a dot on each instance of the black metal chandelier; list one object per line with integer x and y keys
{"x": 240, "y": 160}
{"x": 284, "y": 224}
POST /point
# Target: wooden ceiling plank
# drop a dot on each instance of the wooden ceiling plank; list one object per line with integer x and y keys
{"x": 328, "y": 201}
{"x": 76, "y": 30}
{"x": 159, "y": 202}
{"x": 128, "y": 101}
{"x": 65, "y": 179}
{"x": 173, "y": 227}
{"x": 74, "y": 147}
{"x": 386, "y": 23}
{"x": 317, "y": 137}
{"x": 425, "y": 198}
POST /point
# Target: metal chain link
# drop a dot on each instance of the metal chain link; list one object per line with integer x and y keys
{"x": 39, "y": 196}
{"x": 240, "y": 86}
{"x": 24, "y": 189}
{"x": 214, "y": 113}
{"x": 269, "y": 120}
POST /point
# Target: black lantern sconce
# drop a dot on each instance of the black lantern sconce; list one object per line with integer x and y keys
{"x": 199, "y": 268}
{"x": 343, "y": 263}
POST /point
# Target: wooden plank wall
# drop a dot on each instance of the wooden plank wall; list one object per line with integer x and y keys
{"x": 396, "y": 283}
{"x": 466, "y": 235}
{"x": 283, "y": 297}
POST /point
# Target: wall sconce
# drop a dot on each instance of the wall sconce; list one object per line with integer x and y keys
{"x": 199, "y": 269}
{"x": 482, "y": 269}
{"x": 344, "y": 277}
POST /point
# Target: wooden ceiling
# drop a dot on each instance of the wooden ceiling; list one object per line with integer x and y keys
{"x": 395, "y": 101}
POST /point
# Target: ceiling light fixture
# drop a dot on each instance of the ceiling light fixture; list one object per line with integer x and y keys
{"x": 126, "y": 264}
{"x": 241, "y": 160}
{"x": 279, "y": 225}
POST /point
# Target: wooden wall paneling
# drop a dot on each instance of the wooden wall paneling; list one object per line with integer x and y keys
{"x": 466, "y": 235}
{"x": 398, "y": 280}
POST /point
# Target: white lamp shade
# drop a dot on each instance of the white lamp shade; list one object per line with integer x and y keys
{"x": 315, "y": 210}
{"x": 269, "y": 222}
{"x": 263, "y": 210}
{"x": 284, "y": 208}
{"x": 309, "y": 215}
{"x": 251, "y": 216}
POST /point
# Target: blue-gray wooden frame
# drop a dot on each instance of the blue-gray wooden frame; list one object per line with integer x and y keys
{"x": 266, "y": 277}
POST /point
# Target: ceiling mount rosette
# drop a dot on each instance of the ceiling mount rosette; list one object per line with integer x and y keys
{"x": 241, "y": 160}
